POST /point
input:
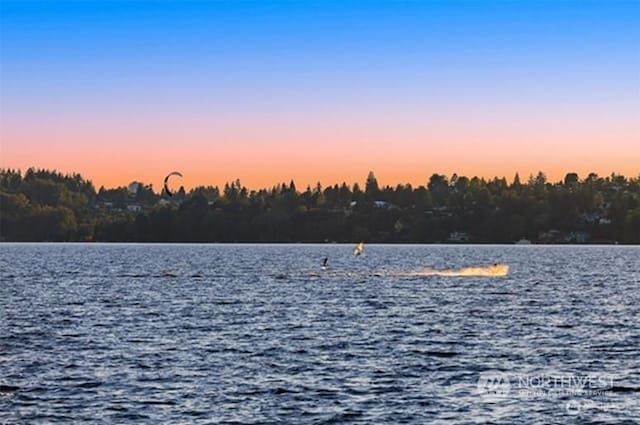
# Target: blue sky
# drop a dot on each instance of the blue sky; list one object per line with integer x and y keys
{"x": 368, "y": 71}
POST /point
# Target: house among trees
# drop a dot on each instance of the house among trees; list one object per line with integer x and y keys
{"x": 458, "y": 237}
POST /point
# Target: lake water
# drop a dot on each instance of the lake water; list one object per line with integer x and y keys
{"x": 99, "y": 333}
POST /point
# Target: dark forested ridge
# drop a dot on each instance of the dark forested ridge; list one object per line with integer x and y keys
{"x": 42, "y": 205}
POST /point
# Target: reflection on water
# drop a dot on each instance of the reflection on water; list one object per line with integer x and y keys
{"x": 250, "y": 333}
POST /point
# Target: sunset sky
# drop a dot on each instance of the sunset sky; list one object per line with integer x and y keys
{"x": 319, "y": 91}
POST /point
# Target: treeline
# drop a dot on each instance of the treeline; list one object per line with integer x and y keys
{"x": 43, "y": 205}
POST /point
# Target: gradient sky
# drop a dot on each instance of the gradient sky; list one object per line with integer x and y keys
{"x": 272, "y": 91}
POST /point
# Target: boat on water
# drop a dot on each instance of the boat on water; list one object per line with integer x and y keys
{"x": 495, "y": 270}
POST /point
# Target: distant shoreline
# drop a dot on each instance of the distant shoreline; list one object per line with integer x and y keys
{"x": 43, "y": 205}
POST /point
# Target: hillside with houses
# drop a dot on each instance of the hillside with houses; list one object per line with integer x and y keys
{"x": 44, "y": 205}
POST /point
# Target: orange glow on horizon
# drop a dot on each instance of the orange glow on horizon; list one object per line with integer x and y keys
{"x": 111, "y": 170}
{"x": 261, "y": 160}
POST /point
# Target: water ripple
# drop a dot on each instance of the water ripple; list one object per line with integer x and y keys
{"x": 246, "y": 334}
